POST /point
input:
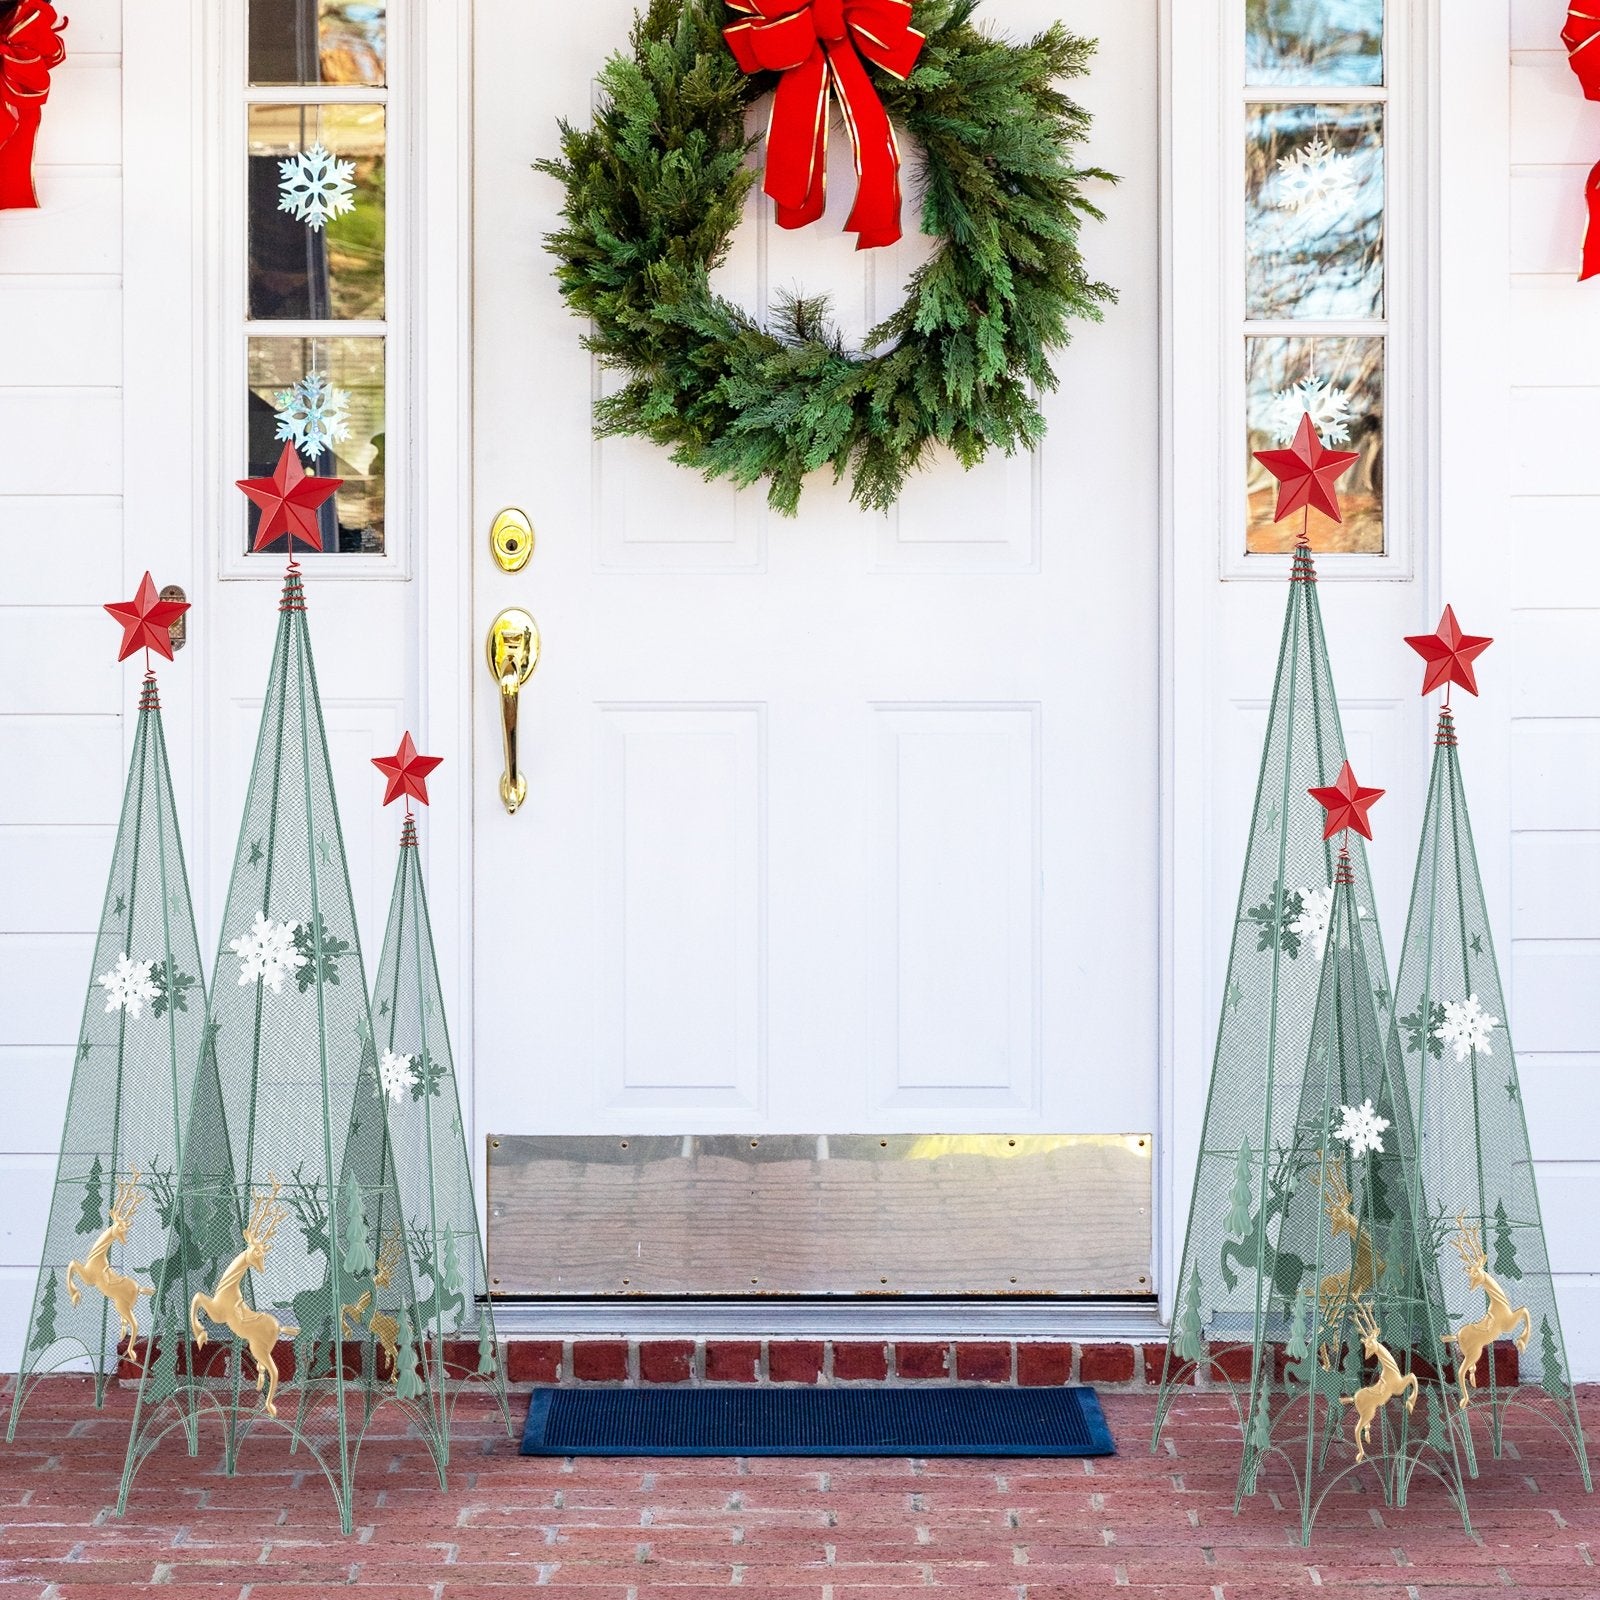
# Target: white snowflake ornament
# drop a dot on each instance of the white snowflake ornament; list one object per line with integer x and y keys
{"x": 267, "y": 953}
{"x": 1316, "y": 181}
{"x": 1316, "y": 912}
{"x": 315, "y": 185}
{"x": 1467, "y": 1026}
{"x": 313, "y": 415}
{"x": 1361, "y": 1129}
{"x": 128, "y": 986}
{"x": 1328, "y": 408}
{"x": 396, "y": 1075}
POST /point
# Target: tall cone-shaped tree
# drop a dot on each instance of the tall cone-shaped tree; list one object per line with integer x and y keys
{"x": 133, "y": 1071}
{"x": 1476, "y": 1161}
{"x": 455, "y": 1319}
{"x": 287, "y": 1118}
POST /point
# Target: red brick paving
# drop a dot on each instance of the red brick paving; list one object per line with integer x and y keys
{"x": 1159, "y": 1526}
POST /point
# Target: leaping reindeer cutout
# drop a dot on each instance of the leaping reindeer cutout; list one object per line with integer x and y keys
{"x": 259, "y": 1329}
{"x": 1340, "y": 1289}
{"x": 1390, "y": 1381}
{"x": 391, "y": 1252}
{"x": 97, "y": 1272}
{"x": 1498, "y": 1322}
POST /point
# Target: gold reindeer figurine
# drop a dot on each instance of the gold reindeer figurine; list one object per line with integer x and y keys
{"x": 1341, "y": 1288}
{"x": 1498, "y": 1322}
{"x": 1390, "y": 1382}
{"x": 97, "y": 1272}
{"x": 259, "y": 1329}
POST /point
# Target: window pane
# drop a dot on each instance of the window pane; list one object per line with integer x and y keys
{"x": 317, "y": 41}
{"x": 1314, "y": 227}
{"x": 326, "y": 396}
{"x": 316, "y": 212}
{"x": 1307, "y": 42}
{"x": 1340, "y": 381}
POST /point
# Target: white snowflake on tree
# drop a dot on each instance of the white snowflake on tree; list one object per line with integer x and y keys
{"x": 267, "y": 953}
{"x": 315, "y": 185}
{"x": 1361, "y": 1129}
{"x": 1316, "y": 181}
{"x": 396, "y": 1075}
{"x": 1328, "y": 408}
{"x": 1311, "y": 926}
{"x": 129, "y": 986}
{"x": 1467, "y": 1026}
{"x": 313, "y": 415}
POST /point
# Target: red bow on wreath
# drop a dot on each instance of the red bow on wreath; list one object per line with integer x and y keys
{"x": 30, "y": 49}
{"x": 1581, "y": 36}
{"x": 817, "y": 45}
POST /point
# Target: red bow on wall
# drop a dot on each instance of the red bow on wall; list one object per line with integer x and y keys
{"x": 1581, "y": 36}
{"x": 817, "y": 45}
{"x": 30, "y": 49}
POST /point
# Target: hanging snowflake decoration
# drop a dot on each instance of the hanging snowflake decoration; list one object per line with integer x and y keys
{"x": 128, "y": 986}
{"x": 315, "y": 186}
{"x": 1361, "y": 1129}
{"x": 313, "y": 415}
{"x": 396, "y": 1075}
{"x": 1328, "y": 408}
{"x": 1467, "y": 1026}
{"x": 267, "y": 953}
{"x": 1316, "y": 181}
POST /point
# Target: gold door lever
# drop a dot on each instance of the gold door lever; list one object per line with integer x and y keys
{"x": 513, "y": 654}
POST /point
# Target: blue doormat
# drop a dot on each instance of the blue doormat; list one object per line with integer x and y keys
{"x": 934, "y": 1421}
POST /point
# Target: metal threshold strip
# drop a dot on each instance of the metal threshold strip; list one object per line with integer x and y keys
{"x": 837, "y": 1318}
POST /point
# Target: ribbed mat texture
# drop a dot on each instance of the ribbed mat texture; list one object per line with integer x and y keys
{"x": 945, "y": 1421}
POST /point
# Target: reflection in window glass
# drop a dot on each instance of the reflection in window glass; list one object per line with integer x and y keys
{"x": 326, "y": 397}
{"x": 1314, "y": 42}
{"x": 1340, "y": 382}
{"x": 317, "y": 41}
{"x": 316, "y": 199}
{"x": 1314, "y": 212}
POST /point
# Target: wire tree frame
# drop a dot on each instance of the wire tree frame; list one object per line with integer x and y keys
{"x": 1476, "y": 1160}
{"x": 288, "y": 1206}
{"x": 132, "y": 1078}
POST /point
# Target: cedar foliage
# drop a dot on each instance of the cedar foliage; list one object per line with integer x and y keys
{"x": 656, "y": 187}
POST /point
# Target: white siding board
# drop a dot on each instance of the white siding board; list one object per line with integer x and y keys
{"x": 43, "y": 979}
{"x": 1569, "y": 1196}
{"x": 25, "y": 1184}
{"x": 1554, "y": 984}
{"x": 94, "y": 27}
{"x": 62, "y": 337}
{"x": 1553, "y": 434}
{"x": 55, "y": 879}
{"x": 59, "y": 769}
{"x": 57, "y": 550}
{"x": 1555, "y": 673}
{"x": 61, "y": 439}
{"x": 34, "y": 1121}
{"x": 1536, "y": 24}
{"x": 1551, "y": 122}
{"x": 1561, "y": 1097}
{"x": 1547, "y": 219}
{"x": 1556, "y": 547}
{"x": 82, "y": 126}
{"x": 78, "y": 227}
{"x": 33, "y": 648}
{"x": 1555, "y": 774}
{"x": 1555, "y": 335}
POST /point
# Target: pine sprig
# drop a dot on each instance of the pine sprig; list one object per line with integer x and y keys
{"x": 656, "y": 187}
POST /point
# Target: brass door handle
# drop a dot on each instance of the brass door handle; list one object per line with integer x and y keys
{"x": 513, "y": 651}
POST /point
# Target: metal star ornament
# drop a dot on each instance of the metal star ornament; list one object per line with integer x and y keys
{"x": 147, "y": 620}
{"x": 406, "y": 773}
{"x": 1449, "y": 654}
{"x": 1307, "y": 473}
{"x": 289, "y": 501}
{"x": 1347, "y": 804}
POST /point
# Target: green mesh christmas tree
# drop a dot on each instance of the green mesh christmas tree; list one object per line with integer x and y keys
{"x": 1477, "y": 1165}
{"x": 134, "y": 1068}
{"x": 455, "y": 1319}
{"x": 288, "y": 1205}
{"x": 1269, "y": 1220}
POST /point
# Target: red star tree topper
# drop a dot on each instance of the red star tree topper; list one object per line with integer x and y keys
{"x": 1347, "y": 804}
{"x": 289, "y": 501}
{"x": 1307, "y": 472}
{"x": 406, "y": 773}
{"x": 147, "y": 620}
{"x": 1449, "y": 654}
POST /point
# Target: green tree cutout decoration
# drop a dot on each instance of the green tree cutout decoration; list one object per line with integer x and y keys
{"x": 284, "y": 1125}
{"x": 1476, "y": 1159}
{"x": 416, "y": 1077}
{"x": 134, "y": 1067}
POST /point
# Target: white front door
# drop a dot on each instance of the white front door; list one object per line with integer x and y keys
{"x": 848, "y": 822}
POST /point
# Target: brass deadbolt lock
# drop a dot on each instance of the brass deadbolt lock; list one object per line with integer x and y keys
{"x": 511, "y": 539}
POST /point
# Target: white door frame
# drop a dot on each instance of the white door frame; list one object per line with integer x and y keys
{"x": 168, "y": 237}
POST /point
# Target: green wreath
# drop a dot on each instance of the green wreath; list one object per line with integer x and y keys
{"x": 656, "y": 187}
